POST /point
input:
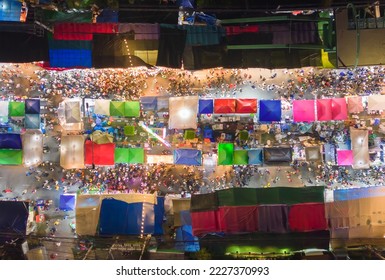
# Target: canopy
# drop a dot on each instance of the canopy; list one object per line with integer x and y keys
{"x": 224, "y": 106}
{"x": 100, "y": 137}
{"x": 102, "y": 107}
{"x": 246, "y": 106}
{"x": 225, "y": 153}
{"x": 72, "y": 112}
{"x": 99, "y": 154}
{"x": 206, "y": 106}
{"x": 241, "y": 157}
{"x": 339, "y": 109}
{"x": 67, "y": 202}
{"x": 10, "y": 141}
{"x": 132, "y": 109}
{"x": 72, "y": 151}
{"x": 148, "y": 103}
{"x": 117, "y": 108}
{"x": 16, "y": 109}
{"x": 32, "y": 121}
{"x": 376, "y": 102}
{"x": 345, "y": 157}
{"x": 11, "y": 157}
{"x": 270, "y": 110}
{"x": 360, "y": 147}
{"x": 183, "y": 112}
{"x": 4, "y": 108}
{"x": 324, "y": 111}
{"x": 255, "y": 156}
{"x": 303, "y": 110}
{"x": 313, "y": 153}
{"x": 32, "y": 148}
{"x": 32, "y": 106}
{"x": 188, "y": 157}
{"x": 355, "y": 104}
{"x": 280, "y": 154}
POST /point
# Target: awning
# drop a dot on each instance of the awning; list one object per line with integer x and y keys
{"x": 100, "y": 137}
{"x": 67, "y": 202}
{"x": 270, "y": 110}
{"x": 10, "y": 141}
{"x": 303, "y": 110}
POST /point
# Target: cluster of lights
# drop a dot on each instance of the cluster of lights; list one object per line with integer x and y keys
{"x": 128, "y": 52}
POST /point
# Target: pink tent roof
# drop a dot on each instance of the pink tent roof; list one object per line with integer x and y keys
{"x": 355, "y": 104}
{"x": 324, "y": 112}
{"x": 303, "y": 111}
{"x": 339, "y": 109}
{"x": 345, "y": 157}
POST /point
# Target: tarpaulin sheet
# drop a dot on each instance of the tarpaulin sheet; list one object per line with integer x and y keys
{"x": 32, "y": 106}
{"x": 206, "y": 106}
{"x": 117, "y": 108}
{"x": 246, "y": 106}
{"x": 270, "y": 110}
{"x": 324, "y": 111}
{"x": 140, "y": 31}
{"x": 11, "y": 157}
{"x": 82, "y": 31}
{"x": 16, "y": 109}
{"x": 14, "y": 217}
{"x": 172, "y": 42}
{"x": 69, "y": 58}
{"x": 255, "y": 156}
{"x": 280, "y": 154}
{"x": 339, "y": 109}
{"x": 148, "y": 103}
{"x": 313, "y": 153}
{"x": 307, "y": 217}
{"x": 376, "y": 102}
{"x": 67, "y": 202}
{"x": 72, "y": 151}
{"x": 238, "y": 219}
{"x": 99, "y": 154}
{"x": 185, "y": 240}
{"x": 225, "y": 153}
{"x": 355, "y": 104}
{"x": 237, "y": 197}
{"x": 224, "y": 106}
{"x": 345, "y": 157}
{"x": 188, "y": 157}
{"x": 102, "y": 107}
{"x": 185, "y": 217}
{"x": 273, "y": 218}
{"x": 205, "y": 222}
{"x": 357, "y": 193}
{"x": 204, "y": 202}
{"x": 131, "y": 109}
{"x": 183, "y": 112}
{"x": 32, "y": 121}
{"x": 304, "y": 110}
{"x": 241, "y": 157}
{"x": 32, "y": 148}
{"x": 10, "y": 141}
{"x": 360, "y": 148}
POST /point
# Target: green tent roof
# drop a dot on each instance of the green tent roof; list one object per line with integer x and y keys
{"x": 132, "y": 109}
{"x": 121, "y": 155}
{"x": 16, "y": 109}
{"x": 136, "y": 155}
{"x": 225, "y": 153}
{"x": 241, "y": 157}
{"x": 11, "y": 157}
{"x": 117, "y": 108}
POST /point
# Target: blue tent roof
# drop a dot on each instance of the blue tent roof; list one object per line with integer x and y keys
{"x": 149, "y": 103}
{"x": 185, "y": 240}
{"x": 10, "y": 141}
{"x": 32, "y": 106}
{"x": 269, "y": 110}
{"x": 67, "y": 202}
{"x": 188, "y": 157}
{"x": 255, "y": 156}
{"x": 206, "y": 106}
{"x": 32, "y": 121}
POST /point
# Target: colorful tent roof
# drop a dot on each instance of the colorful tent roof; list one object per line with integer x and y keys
{"x": 303, "y": 110}
{"x": 345, "y": 157}
{"x": 241, "y": 157}
{"x": 117, "y": 108}
{"x": 270, "y": 110}
{"x": 72, "y": 151}
{"x": 32, "y": 106}
{"x": 324, "y": 112}
{"x": 339, "y": 109}
{"x": 188, "y": 157}
{"x": 10, "y": 141}
{"x": 32, "y": 121}
{"x": 132, "y": 109}
{"x": 355, "y": 104}
{"x": 185, "y": 240}
{"x": 224, "y": 106}
{"x": 11, "y": 157}
{"x": 102, "y": 107}
{"x": 255, "y": 156}
{"x": 206, "y": 106}
{"x": 225, "y": 153}
{"x": 72, "y": 111}
{"x": 276, "y": 154}
{"x": 16, "y": 109}
{"x": 183, "y": 112}
{"x": 246, "y": 106}
{"x": 67, "y": 202}
{"x": 99, "y": 154}
{"x": 121, "y": 155}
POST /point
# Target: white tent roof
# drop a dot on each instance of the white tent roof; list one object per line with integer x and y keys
{"x": 32, "y": 148}
{"x": 72, "y": 151}
{"x": 72, "y": 112}
{"x": 102, "y": 107}
{"x": 183, "y": 112}
{"x": 69, "y": 114}
{"x": 4, "y": 108}
{"x": 154, "y": 159}
{"x": 360, "y": 147}
{"x": 376, "y": 102}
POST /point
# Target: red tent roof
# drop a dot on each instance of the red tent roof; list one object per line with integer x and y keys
{"x": 224, "y": 106}
{"x": 246, "y": 106}
{"x": 99, "y": 154}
